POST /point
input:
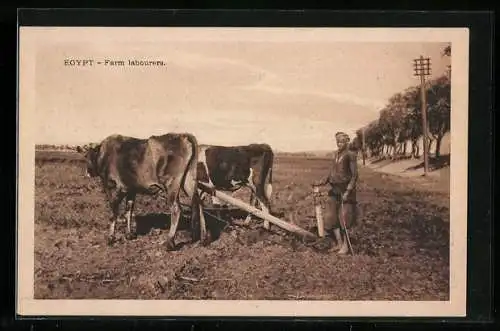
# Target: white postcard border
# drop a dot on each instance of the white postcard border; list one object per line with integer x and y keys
{"x": 29, "y": 37}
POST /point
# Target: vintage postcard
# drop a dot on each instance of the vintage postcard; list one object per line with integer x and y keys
{"x": 292, "y": 172}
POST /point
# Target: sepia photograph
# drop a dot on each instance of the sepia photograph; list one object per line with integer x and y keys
{"x": 242, "y": 171}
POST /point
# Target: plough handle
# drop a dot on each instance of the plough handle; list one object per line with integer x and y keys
{"x": 318, "y": 212}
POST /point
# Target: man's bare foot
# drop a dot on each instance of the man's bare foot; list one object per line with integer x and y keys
{"x": 343, "y": 250}
{"x": 335, "y": 247}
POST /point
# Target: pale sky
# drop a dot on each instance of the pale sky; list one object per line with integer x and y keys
{"x": 293, "y": 95}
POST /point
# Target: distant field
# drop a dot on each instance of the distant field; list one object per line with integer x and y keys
{"x": 401, "y": 243}
{"x": 48, "y": 156}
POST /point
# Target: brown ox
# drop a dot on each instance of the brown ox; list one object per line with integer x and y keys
{"x": 129, "y": 166}
{"x": 229, "y": 168}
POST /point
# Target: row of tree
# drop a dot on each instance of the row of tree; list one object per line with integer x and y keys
{"x": 400, "y": 122}
{"x": 53, "y": 147}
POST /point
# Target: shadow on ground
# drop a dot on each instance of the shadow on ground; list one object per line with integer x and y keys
{"x": 145, "y": 223}
{"x": 434, "y": 163}
{"x": 215, "y": 220}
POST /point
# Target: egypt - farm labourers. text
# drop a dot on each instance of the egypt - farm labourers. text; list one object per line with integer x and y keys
{"x": 113, "y": 63}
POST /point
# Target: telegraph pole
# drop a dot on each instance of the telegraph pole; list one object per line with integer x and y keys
{"x": 422, "y": 68}
{"x": 363, "y": 148}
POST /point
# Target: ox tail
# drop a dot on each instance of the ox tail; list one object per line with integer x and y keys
{"x": 191, "y": 175}
{"x": 192, "y": 164}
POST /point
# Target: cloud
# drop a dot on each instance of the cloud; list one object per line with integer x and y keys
{"x": 221, "y": 67}
{"x": 373, "y": 104}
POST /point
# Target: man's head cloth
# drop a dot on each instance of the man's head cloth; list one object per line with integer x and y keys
{"x": 342, "y": 136}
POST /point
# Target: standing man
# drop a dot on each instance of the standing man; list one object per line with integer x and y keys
{"x": 342, "y": 202}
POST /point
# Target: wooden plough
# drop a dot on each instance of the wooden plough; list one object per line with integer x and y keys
{"x": 257, "y": 212}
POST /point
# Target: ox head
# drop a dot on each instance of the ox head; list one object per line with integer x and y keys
{"x": 91, "y": 153}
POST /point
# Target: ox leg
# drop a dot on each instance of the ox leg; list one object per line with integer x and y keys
{"x": 175, "y": 214}
{"x": 130, "y": 202}
{"x": 204, "y": 234}
{"x": 195, "y": 218}
{"x": 265, "y": 209}
{"x": 114, "y": 198}
{"x": 263, "y": 195}
{"x": 253, "y": 202}
{"x": 197, "y": 215}
{"x": 266, "y": 205}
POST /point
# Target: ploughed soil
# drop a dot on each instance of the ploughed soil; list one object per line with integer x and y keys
{"x": 401, "y": 243}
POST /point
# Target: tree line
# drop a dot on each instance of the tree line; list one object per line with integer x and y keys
{"x": 398, "y": 128}
{"x": 54, "y": 147}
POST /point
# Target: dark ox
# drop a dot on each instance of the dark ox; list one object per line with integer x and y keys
{"x": 129, "y": 166}
{"x": 229, "y": 168}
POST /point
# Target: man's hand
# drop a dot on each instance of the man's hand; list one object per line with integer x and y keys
{"x": 345, "y": 196}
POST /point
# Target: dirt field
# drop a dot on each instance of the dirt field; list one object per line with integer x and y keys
{"x": 401, "y": 243}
